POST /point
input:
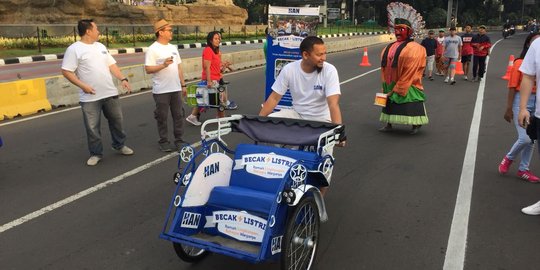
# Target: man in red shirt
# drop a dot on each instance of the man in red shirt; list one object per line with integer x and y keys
{"x": 481, "y": 44}
{"x": 466, "y": 50}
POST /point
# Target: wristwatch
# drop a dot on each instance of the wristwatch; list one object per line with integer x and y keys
{"x": 124, "y": 79}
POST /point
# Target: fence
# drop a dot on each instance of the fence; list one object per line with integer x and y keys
{"x": 36, "y": 37}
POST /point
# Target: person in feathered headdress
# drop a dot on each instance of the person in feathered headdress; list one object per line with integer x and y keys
{"x": 402, "y": 66}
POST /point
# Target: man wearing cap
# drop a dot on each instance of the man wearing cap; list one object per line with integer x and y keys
{"x": 402, "y": 65}
{"x": 439, "y": 54}
{"x": 481, "y": 44}
{"x": 88, "y": 65}
{"x": 466, "y": 50}
{"x": 162, "y": 60}
{"x": 430, "y": 44}
{"x": 452, "y": 52}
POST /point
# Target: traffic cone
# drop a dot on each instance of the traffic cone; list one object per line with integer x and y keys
{"x": 509, "y": 68}
{"x": 459, "y": 68}
{"x": 365, "y": 59}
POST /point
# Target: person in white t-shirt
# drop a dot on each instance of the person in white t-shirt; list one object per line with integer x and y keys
{"x": 313, "y": 83}
{"x": 530, "y": 68}
{"x": 163, "y": 62}
{"x": 314, "y": 87}
{"x": 88, "y": 65}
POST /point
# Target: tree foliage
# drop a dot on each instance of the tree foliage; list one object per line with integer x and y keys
{"x": 474, "y": 12}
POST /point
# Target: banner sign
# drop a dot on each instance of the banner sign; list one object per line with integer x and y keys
{"x": 269, "y": 166}
{"x": 239, "y": 225}
{"x": 287, "y": 27}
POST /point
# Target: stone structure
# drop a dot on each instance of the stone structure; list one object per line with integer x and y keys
{"x": 202, "y": 12}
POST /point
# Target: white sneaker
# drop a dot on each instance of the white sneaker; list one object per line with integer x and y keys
{"x": 446, "y": 80}
{"x": 193, "y": 120}
{"x": 126, "y": 151}
{"x": 465, "y": 78}
{"x": 533, "y": 210}
{"x": 93, "y": 160}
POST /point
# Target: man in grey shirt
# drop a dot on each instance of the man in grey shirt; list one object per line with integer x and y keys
{"x": 452, "y": 54}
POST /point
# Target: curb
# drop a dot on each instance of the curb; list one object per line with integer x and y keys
{"x": 48, "y": 57}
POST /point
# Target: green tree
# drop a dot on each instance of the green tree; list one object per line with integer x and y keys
{"x": 436, "y": 18}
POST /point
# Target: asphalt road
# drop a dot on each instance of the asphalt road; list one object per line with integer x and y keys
{"x": 32, "y": 70}
{"x": 391, "y": 202}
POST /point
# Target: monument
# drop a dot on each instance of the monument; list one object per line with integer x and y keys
{"x": 199, "y": 12}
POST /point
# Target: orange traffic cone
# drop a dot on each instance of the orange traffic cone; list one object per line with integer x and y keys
{"x": 365, "y": 59}
{"x": 509, "y": 68}
{"x": 459, "y": 68}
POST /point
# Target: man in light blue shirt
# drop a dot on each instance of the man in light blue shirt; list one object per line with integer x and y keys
{"x": 452, "y": 54}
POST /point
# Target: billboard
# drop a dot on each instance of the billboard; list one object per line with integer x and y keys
{"x": 287, "y": 27}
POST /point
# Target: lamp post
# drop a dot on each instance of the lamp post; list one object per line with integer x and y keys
{"x": 353, "y": 11}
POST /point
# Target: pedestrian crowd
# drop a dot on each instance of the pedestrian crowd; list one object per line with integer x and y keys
{"x": 447, "y": 51}
{"x": 88, "y": 65}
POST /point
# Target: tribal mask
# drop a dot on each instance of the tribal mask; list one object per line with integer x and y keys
{"x": 402, "y": 32}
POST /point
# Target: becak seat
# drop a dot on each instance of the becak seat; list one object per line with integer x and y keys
{"x": 258, "y": 175}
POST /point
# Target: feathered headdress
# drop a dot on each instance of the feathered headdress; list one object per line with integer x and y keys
{"x": 400, "y": 13}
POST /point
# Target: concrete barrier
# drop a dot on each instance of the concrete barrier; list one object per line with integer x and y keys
{"x": 57, "y": 91}
{"x": 21, "y": 98}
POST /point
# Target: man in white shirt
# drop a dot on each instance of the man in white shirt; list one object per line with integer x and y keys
{"x": 313, "y": 83}
{"x": 163, "y": 61}
{"x": 314, "y": 87}
{"x": 88, "y": 65}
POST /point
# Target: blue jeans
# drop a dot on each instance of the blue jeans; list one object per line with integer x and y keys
{"x": 92, "y": 122}
{"x": 523, "y": 144}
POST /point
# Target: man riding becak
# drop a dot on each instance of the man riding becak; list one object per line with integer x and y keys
{"x": 402, "y": 66}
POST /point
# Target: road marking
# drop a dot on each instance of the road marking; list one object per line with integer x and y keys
{"x": 109, "y": 182}
{"x": 359, "y": 76}
{"x": 84, "y": 193}
{"x": 457, "y": 240}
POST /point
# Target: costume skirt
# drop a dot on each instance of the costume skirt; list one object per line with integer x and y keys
{"x": 411, "y": 113}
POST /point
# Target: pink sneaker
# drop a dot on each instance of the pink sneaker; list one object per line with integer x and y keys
{"x": 505, "y": 165}
{"x": 528, "y": 176}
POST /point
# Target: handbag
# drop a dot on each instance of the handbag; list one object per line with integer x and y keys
{"x": 531, "y": 129}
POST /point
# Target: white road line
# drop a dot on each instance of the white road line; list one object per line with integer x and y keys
{"x": 105, "y": 184}
{"x": 84, "y": 193}
{"x": 457, "y": 241}
{"x": 359, "y": 76}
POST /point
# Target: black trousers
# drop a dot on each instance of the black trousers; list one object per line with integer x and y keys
{"x": 164, "y": 102}
{"x": 479, "y": 66}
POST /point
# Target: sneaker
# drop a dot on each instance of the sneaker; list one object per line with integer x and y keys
{"x": 439, "y": 74}
{"x": 533, "y": 210}
{"x": 465, "y": 78}
{"x": 126, "y": 151}
{"x": 232, "y": 106}
{"x": 93, "y": 160}
{"x": 475, "y": 79}
{"x": 165, "y": 147}
{"x": 193, "y": 120}
{"x": 528, "y": 176}
{"x": 430, "y": 78}
{"x": 452, "y": 81}
{"x": 505, "y": 165}
{"x": 415, "y": 129}
{"x": 446, "y": 80}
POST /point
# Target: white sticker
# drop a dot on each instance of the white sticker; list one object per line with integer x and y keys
{"x": 190, "y": 220}
{"x": 276, "y": 245}
{"x": 240, "y": 226}
{"x": 266, "y": 165}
